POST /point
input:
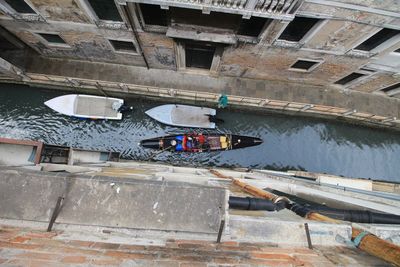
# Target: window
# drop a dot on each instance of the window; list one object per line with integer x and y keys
{"x": 397, "y": 50}
{"x": 351, "y": 77}
{"x": 199, "y": 55}
{"x": 298, "y": 28}
{"x": 305, "y": 65}
{"x": 253, "y": 26}
{"x": 154, "y": 15}
{"x": 105, "y": 9}
{"x": 20, "y": 6}
{"x": 5, "y": 44}
{"x": 185, "y": 16}
{"x": 391, "y": 88}
{"x": 377, "y": 39}
{"x": 123, "y": 46}
{"x": 52, "y": 38}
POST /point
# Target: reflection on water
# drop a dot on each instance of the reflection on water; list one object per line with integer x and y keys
{"x": 289, "y": 142}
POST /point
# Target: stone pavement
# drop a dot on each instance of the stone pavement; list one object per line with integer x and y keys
{"x": 272, "y": 90}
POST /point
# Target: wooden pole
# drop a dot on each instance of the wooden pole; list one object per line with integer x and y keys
{"x": 378, "y": 247}
{"x": 368, "y": 242}
{"x": 255, "y": 191}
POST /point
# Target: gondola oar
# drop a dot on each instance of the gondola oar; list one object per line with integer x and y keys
{"x": 158, "y": 152}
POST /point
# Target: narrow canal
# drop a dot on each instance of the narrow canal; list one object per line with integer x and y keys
{"x": 289, "y": 142}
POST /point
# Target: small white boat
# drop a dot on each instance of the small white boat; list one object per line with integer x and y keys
{"x": 87, "y": 106}
{"x": 183, "y": 115}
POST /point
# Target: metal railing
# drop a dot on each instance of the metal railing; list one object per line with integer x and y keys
{"x": 208, "y": 98}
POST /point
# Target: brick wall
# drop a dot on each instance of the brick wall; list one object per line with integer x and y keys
{"x": 25, "y": 247}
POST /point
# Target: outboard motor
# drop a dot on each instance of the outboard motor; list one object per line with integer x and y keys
{"x": 116, "y": 106}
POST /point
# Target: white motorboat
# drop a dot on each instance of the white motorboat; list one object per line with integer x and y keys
{"x": 184, "y": 116}
{"x": 87, "y": 106}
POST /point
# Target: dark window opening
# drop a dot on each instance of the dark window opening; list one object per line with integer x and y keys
{"x": 390, "y": 88}
{"x": 253, "y": 26}
{"x": 20, "y": 6}
{"x": 397, "y": 50}
{"x": 154, "y": 15}
{"x": 367, "y": 69}
{"x": 349, "y": 78}
{"x": 199, "y": 55}
{"x": 123, "y": 46}
{"x": 52, "y": 38}
{"x": 6, "y": 45}
{"x": 217, "y": 20}
{"x": 377, "y": 39}
{"x": 298, "y": 28}
{"x": 303, "y": 64}
{"x": 105, "y": 9}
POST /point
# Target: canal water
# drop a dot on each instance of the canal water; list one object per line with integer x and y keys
{"x": 295, "y": 143}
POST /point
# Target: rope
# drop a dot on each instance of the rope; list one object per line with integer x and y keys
{"x": 357, "y": 240}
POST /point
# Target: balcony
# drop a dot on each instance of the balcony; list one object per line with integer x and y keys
{"x": 275, "y": 9}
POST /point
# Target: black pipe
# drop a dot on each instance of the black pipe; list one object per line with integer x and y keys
{"x": 248, "y": 203}
{"x": 359, "y": 216}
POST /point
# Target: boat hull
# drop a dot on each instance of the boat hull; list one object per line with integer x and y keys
{"x": 86, "y": 106}
{"x": 200, "y": 142}
{"x": 183, "y": 116}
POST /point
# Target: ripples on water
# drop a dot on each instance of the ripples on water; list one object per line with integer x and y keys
{"x": 289, "y": 142}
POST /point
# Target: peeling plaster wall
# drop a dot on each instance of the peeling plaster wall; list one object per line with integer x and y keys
{"x": 60, "y": 10}
{"x": 87, "y": 42}
{"x": 159, "y": 50}
{"x": 380, "y": 80}
{"x": 339, "y": 36}
{"x": 390, "y": 5}
{"x": 273, "y": 63}
{"x": 346, "y": 14}
{"x": 395, "y": 22}
{"x": 259, "y": 61}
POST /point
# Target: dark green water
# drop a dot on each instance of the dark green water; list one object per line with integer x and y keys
{"x": 289, "y": 142}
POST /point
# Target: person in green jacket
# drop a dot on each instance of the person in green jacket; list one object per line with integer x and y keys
{"x": 222, "y": 101}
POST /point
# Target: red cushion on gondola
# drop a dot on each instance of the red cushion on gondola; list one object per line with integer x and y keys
{"x": 184, "y": 143}
{"x": 201, "y": 139}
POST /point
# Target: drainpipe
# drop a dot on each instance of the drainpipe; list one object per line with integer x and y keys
{"x": 362, "y": 239}
{"x": 139, "y": 42}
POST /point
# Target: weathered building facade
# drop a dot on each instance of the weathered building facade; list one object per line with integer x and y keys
{"x": 343, "y": 44}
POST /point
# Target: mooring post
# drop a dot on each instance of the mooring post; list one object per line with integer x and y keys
{"x": 308, "y": 236}
{"x": 221, "y": 229}
{"x": 56, "y": 211}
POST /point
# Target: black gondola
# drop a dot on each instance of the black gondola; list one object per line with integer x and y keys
{"x": 200, "y": 142}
